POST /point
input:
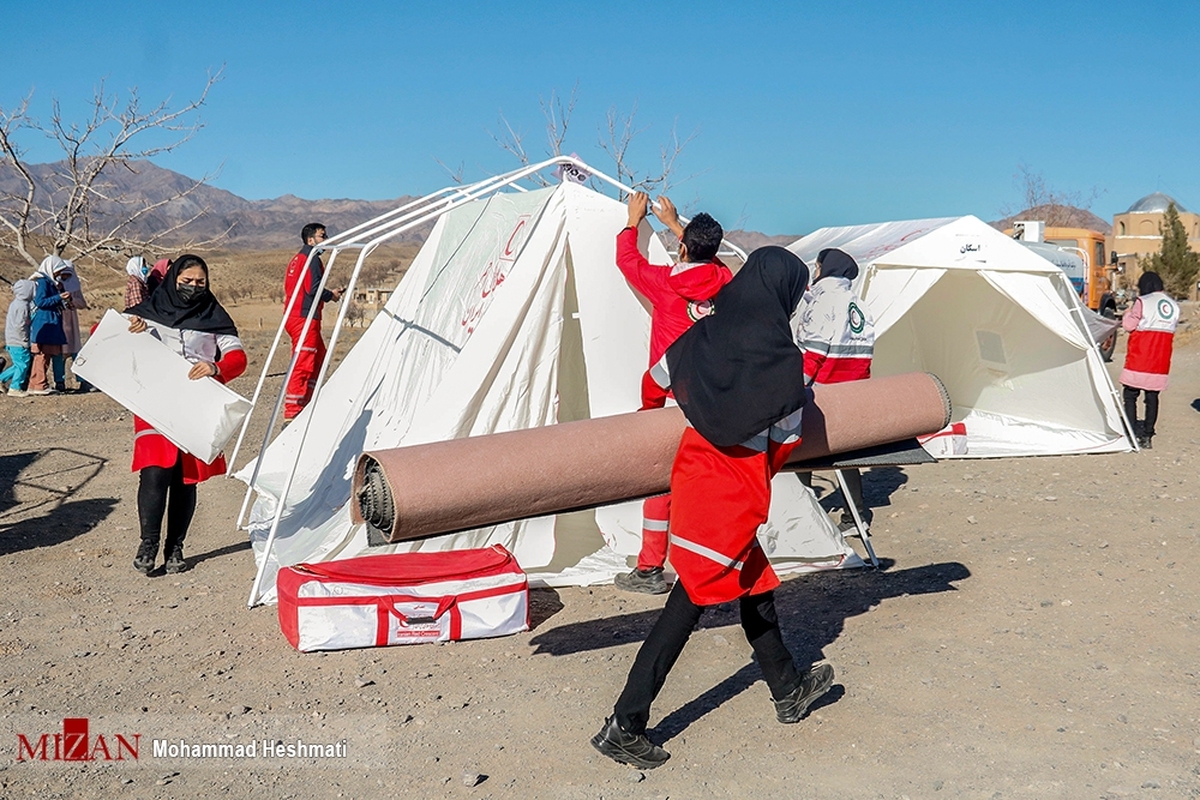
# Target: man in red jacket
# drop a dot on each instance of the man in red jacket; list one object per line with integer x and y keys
{"x": 312, "y": 348}
{"x": 679, "y": 294}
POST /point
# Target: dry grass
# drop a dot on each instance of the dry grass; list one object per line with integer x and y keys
{"x": 250, "y": 283}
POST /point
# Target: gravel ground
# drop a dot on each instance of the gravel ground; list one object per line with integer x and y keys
{"x": 1033, "y": 635}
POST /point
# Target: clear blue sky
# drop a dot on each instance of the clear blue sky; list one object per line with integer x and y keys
{"x": 806, "y": 114}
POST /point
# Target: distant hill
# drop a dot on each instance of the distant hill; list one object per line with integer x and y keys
{"x": 251, "y": 224}
{"x": 752, "y": 240}
{"x": 747, "y": 240}
{"x": 1057, "y": 216}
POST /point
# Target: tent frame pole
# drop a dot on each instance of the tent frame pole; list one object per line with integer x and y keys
{"x": 860, "y": 525}
{"x": 375, "y": 231}
{"x": 1077, "y": 311}
{"x": 437, "y": 201}
{"x": 292, "y": 301}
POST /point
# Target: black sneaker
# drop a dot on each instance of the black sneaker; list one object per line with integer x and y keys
{"x": 813, "y": 684}
{"x": 1144, "y": 442}
{"x": 650, "y": 581}
{"x": 627, "y": 748}
{"x": 175, "y": 562}
{"x": 143, "y": 562}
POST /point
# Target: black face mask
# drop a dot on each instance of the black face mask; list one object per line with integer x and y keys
{"x": 189, "y": 293}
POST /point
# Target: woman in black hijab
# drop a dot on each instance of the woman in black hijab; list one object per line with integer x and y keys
{"x": 183, "y": 314}
{"x": 739, "y": 378}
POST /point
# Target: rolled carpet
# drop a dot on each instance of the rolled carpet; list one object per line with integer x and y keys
{"x": 429, "y": 489}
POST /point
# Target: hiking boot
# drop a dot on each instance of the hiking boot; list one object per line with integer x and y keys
{"x": 175, "y": 562}
{"x": 1144, "y": 442}
{"x": 635, "y": 750}
{"x": 813, "y": 684}
{"x": 143, "y": 562}
{"x": 60, "y": 387}
{"x": 649, "y": 581}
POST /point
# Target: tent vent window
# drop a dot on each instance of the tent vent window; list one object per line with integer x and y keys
{"x": 991, "y": 347}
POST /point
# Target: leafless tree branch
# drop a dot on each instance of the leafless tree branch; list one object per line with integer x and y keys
{"x": 1055, "y": 208}
{"x": 558, "y": 118}
{"x": 75, "y": 207}
{"x": 456, "y": 174}
{"x": 618, "y": 133}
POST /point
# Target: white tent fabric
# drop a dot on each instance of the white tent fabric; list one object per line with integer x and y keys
{"x": 999, "y": 324}
{"x": 513, "y": 315}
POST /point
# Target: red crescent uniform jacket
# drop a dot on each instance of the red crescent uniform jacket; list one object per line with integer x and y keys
{"x": 679, "y": 295}
{"x": 719, "y": 498}
{"x": 312, "y": 279}
{"x": 837, "y": 334}
{"x": 1151, "y": 323}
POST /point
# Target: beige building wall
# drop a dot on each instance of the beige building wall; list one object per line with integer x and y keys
{"x": 1135, "y": 234}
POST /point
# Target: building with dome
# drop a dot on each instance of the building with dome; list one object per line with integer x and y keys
{"x": 1136, "y": 232}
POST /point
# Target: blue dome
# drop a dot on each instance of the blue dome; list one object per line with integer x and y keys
{"x": 1155, "y": 204}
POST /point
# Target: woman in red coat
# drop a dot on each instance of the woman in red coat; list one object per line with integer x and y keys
{"x": 739, "y": 378}
{"x": 183, "y": 314}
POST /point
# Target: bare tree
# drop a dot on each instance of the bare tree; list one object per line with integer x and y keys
{"x": 75, "y": 207}
{"x": 557, "y": 115}
{"x": 619, "y": 133}
{"x": 1056, "y": 208}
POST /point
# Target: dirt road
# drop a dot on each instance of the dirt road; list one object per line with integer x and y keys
{"x": 1034, "y": 635}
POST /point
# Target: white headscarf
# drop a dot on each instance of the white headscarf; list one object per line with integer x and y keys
{"x": 137, "y": 268}
{"x": 50, "y": 266}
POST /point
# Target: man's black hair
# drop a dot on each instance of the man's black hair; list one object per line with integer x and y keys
{"x": 702, "y": 238}
{"x": 310, "y": 230}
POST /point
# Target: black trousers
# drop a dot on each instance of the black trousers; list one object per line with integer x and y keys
{"x": 1130, "y": 396}
{"x": 161, "y": 489}
{"x": 670, "y": 633}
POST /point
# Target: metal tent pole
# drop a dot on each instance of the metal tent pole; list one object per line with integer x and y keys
{"x": 381, "y": 230}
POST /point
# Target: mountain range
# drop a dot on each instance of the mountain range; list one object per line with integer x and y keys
{"x": 240, "y": 224}
{"x": 245, "y": 224}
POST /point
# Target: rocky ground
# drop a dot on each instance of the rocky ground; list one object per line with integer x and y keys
{"x": 1033, "y": 635}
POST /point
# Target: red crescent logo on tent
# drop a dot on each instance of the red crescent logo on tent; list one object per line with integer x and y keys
{"x": 508, "y": 248}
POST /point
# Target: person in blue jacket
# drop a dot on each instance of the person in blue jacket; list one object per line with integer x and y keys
{"x": 46, "y": 334}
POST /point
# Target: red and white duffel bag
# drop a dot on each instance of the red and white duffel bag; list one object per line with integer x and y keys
{"x": 403, "y": 598}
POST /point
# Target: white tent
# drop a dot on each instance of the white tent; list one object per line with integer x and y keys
{"x": 999, "y": 324}
{"x": 513, "y": 315}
